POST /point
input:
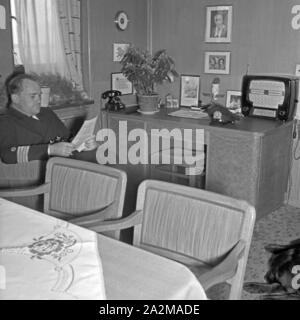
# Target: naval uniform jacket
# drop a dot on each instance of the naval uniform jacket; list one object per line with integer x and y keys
{"x": 24, "y": 138}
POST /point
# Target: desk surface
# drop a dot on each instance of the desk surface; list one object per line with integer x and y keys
{"x": 252, "y": 125}
{"x": 129, "y": 272}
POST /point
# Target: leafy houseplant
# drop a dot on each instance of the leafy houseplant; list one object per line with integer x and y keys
{"x": 62, "y": 90}
{"x": 145, "y": 70}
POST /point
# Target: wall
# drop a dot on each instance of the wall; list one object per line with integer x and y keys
{"x": 262, "y": 37}
{"x": 103, "y": 33}
{"x": 6, "y": 58}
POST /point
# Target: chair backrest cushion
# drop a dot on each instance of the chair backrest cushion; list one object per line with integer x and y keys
{"x": 79, "y": 187}
{"x": 190, "y": 224}
{"x": 22, "y": 174}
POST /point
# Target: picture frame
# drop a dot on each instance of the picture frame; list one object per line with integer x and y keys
{"x": 217, "y": 62}
{"x": 119, "y": 50}
{"x": 233, "y": 101}
{"x": 189, "y": 90}
{"x": 121, "y": 83}
{"x": 218, "y": 24}
{"x": 297, "y": 71}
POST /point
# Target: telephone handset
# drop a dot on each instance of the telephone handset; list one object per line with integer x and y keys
{"x": 114, "y": 103}
{"x": 220, "y": 114}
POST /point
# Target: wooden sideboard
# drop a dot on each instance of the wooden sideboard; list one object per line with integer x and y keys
{"x": 247, "y": 160}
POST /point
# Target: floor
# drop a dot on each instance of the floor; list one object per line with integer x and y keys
{"x": 280, "y": 227}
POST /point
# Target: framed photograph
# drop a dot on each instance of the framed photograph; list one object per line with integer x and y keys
{"x": 218, "y": 24}
{"x": 119, "y": 82}
{"x": 189, "y": 90}
{"x": 119, "y": 50}
{"x": 233, "y": 101}
{"x": 217, "y": 62}
{"x": 297, "y": 72}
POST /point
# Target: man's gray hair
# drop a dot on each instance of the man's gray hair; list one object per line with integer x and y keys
{"x": 15, "y": 83}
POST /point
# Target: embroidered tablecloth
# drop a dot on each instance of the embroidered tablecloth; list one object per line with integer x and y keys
{"x": 42, "y": 257}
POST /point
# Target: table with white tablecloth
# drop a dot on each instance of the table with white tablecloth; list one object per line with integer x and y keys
{"x": 42, "y": 257}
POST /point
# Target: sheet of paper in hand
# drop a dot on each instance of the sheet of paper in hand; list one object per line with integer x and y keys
{"x": 85, "y": 132}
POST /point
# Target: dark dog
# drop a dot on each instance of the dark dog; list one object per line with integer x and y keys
{"x": 283, "y": 276}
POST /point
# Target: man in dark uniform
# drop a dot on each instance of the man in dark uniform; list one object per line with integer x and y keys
{"x": 29, "y": 132}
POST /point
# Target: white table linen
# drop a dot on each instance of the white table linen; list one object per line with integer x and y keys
{"x": 47, "y": 258}
{"x": 135, "y": 274}
{"x": 43, "y": 262}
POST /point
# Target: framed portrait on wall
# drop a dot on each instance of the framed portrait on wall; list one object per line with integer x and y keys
{"x": 217, "y": 62}
{"x": 233, "y": 101}
{"x": 189, "y": 90}
{"x": 119, "y": 82}
{"x": 2, "y": 17}
{"x": 218, "y": 24}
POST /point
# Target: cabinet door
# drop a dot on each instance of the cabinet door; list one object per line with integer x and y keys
{"x": 275, "y": 168}
{"x": 177, "y": 144}
{"x": 233, "y": 165}
{"x": 136, "y": 173}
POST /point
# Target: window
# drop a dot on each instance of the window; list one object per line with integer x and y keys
{"x": 47, "y": 39}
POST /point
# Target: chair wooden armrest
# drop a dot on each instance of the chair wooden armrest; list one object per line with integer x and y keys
{"x": 26, "y": 191}
{"x": 117, "y": 224}
{"x": 94, "y": 218}
{"x": 225, "y": 269}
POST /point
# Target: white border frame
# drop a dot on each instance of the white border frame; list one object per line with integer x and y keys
{"x": 297, "y": 70}
{"x": 186, "y": 101}
{"x": 116, "y": 79}
{"x": 209, "y": 11}
{"x": 231, "y": 93}
{"x": 225, "y": 54}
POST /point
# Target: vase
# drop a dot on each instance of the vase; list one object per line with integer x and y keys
{"x": 148, "y": 104}
{"x": 45, "y": 96}
{"x": 215, "y": 89}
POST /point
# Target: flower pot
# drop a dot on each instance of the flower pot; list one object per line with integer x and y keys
{"x": 45, "y": 96}
{"x": 148, "y": 104}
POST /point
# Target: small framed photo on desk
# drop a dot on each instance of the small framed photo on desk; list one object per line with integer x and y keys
{"x": 121, "y": 83}
{"x": 233, "y": 101}
{"x": 189, "y": 90}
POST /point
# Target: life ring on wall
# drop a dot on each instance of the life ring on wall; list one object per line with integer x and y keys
{"x": 121, "y": 20}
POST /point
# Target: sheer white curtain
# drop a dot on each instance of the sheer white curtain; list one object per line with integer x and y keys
{"x": 47, "y": 36}
{"x": 39, "y": 36}
{"x": 69, "y": 13}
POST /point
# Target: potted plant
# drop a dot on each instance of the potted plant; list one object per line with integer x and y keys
{"x": 62, "y": 90}
{"x": 144, "y": 71}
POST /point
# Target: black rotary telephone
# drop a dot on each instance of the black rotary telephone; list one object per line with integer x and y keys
{"x": 219, "y": 114}
{"x": 114, "y": 103}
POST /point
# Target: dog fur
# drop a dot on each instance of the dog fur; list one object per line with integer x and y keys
{"x": 279, "y": 276}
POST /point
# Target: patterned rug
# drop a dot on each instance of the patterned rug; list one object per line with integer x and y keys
{"x": 280, "y": 227}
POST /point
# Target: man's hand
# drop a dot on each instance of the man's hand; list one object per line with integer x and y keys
{"x": 61, "y": 149}
{"x": 90, "y": 144}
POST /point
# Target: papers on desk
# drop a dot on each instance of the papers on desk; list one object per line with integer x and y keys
{"x": 85, "y": 132}
{"x": 194, "y": 114}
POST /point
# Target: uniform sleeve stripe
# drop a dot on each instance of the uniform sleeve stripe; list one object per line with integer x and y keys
{"x": 22, "y": 154}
